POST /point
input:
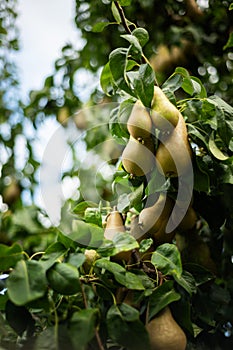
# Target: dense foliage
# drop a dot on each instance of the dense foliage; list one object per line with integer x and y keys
{"x": 69, "y": 285}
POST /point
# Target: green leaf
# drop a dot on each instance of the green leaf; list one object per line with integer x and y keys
{"x": 9, "y": 256}
{"x": 115, "y": 13}
{"x": 27, "y": 282}
{"x": 76, "y": 259}
{"x": 143, "y": 84}
{"x": 125, "y": 2}
{"x": 125, "y": 327}
{"x": 80, "y": 208}
{"x": 134, "y": 42}
{"x": 82, "y": 327}
{"x": 107, "y": 81}
{"x": 161, "y": 297}
{"x": 145, "y": 244}
{"x": 200, "y": 274}
{"x": 142, "y": 35}
{"x": 87, "y": 235}
{"x": 231, "y": 6}
{"x": 123, "y": 241}
{"x": 215, "y": 150}
{"x": 167, "y": 259}
{"x": 64, "y": 278}
{"x": 93, "y": 216}
{"x": 117, "y": 64}
{"x": 198, "y": 88}
{"x": 52, "y": 254}
{"x": 187, "y": 281}
{"x": 100, "y": 26}
{"x": 122, "y": 276}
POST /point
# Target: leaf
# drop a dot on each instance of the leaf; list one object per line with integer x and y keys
{"x": 161, "y": 297}
{"x": 82, "y": 327}
{"x": 187, "y": 281}
{"x": 9, "y": 256}
{"x": 19, "y": 318}
{"x": 52, "y": 254}
{"x": 27, "y": 282}
{"x": 100, "y": 26}
{"x": 167, "y": 259}
{"x": 143, "y": 84}
{"x": 115, "y": 13}
{"x": 125, "y": 327}
{"x": 134, "y": 42}
{"x": 145, "y": 244}
{"x": 142, "y": 35}
{"x": 215, "y": 150}
{"x": 87, "y": 235}
{"x": 125, "y": 2}
{"x": 123, "y": 241}
{"x": 200, "y": 274}
{"x": 117, "y": 65}
{"x": 122, "y": 276}
{"x": 80, "y": 208}
{"x": 106, "y": 80}
{"x": 93, "y": 216}
{"x": 64, "y": 278}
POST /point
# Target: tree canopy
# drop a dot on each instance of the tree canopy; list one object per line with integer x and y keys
{"x": 149, "y": 226}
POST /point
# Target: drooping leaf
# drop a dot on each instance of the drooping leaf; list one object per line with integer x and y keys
{"x": 100, "y": 26}
{"x": 27, "y": 282}
{"x": 10, "y": 255}
{"x": 80, "y": 208}
{"x": 82, "y": 327}
{"x": 167, "y": 259}
{"x": 125, "y": 327}
{"x": 64, "y": 278}
{"x": 52, "y": 254}
{"x": 143, "y": 84}
{"x": 117, "y": 65}
{"x": 187, "y": 281}
{"x": 161, "y": 297}
{"x": 87, "y": 235}
{"x": 142, "y": 35}
{"x": 106, "y": 80}
{"x": 217, "y": 153}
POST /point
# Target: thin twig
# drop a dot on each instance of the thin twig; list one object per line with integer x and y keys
{"x": 100, "y": 345}
{"x": 122, "y": 15}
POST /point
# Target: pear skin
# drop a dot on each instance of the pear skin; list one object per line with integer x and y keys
{"x": 164, "y": 114}
{"x": 173, "y": 156}
{"x": 165, "y": 333}
{"x": 114, "y": 225}
{"x": 188, "y": 222}
{"x": 138, "y": 158}
{"x": 139, "y": 123}
{"x": 153, "y": 220}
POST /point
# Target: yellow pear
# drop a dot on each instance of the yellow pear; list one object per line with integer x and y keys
{"x": 114, "y": 225}
{"x": 139, "y": 123}
{"x": 173, "y": 156}
{"x": 138, "y": 158}
{"x": 189, "y": 220}
{"x": 164, "y": 114}
{"x": 91, "y": 255}
{"x": 165, "y": 333}
{"x": 153, "y": 220}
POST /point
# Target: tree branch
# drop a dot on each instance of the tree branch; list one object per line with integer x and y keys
{"x": 122, "y": 15}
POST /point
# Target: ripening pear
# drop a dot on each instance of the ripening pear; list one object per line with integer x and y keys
{"x": 164, "y": 114}
{"x": 173, "y": 156}
{"x": 153, "y": 220}
{"x": 138, "y": 158}
{"x": 165, "y": 333}
{"x": 139, "y": 123}
{"x": 189, "y": 221}
{"x": 114, "y": 225}
{"x": 91, "y": 255}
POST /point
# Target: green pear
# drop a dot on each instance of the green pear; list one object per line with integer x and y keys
{"x": 138, "y": 158}
{"x": 139, "y": 123}
{"x": 164, "y": 114}
{"x": 165, "y": 333}
{"x": 153, "y": 220}
{"x": 114, "y": 225}
{"x": 173, "y": 156}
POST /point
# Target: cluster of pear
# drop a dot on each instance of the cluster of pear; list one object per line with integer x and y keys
{"x": 172, "y": 157}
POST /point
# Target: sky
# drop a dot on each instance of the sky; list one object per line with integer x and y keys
{"x": 44, "y": 27}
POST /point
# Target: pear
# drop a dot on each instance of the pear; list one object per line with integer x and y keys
{"x": 91, "y": 255}
{"x": 165, "y": 333}
{"x": 173, "y": 156}
{"x": 139, "y": 123}
{"x": 189, "y": 220}
{"x": 164, "y": 114}
{"x": 114, "y": 225}
{"x": 138, "y": 158}
{"x": 153, "y": 220}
